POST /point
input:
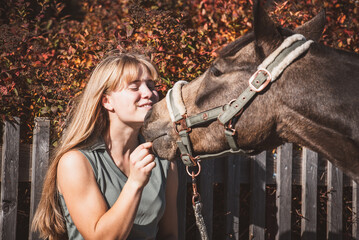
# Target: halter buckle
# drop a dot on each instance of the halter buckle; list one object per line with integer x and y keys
{"x": 183, "y": 125}
{"x": 194, "y": 160}
{"x": 229, "y": 127}
{"x": 265, "y": 84}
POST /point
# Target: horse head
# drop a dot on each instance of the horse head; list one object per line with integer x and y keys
{"x": 288, "y": 110}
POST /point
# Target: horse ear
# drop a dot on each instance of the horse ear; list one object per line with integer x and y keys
{"x": 265, "y": 31}
{"x": 313, "y": 29}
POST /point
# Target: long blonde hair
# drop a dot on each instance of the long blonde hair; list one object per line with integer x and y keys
{"x": 88, "y": 120}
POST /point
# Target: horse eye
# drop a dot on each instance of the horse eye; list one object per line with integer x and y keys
{"x": 216, "y": 72}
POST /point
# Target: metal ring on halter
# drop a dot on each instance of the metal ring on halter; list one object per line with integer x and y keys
{"x": 199, "y": 170}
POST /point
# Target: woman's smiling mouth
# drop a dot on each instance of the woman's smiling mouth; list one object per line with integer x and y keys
{"x": 147, "y": 105}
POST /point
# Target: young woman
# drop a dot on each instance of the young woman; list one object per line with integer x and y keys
{"x": 104, "y": 182}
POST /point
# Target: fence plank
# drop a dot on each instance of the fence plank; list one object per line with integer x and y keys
{"x": 244, "y": 169}
{"x": 40, "y": 163}
{"x": 355, "y": 214}
{"x": 9, "y": 180}
{"x": 206, "y": 192}
{"x": 258, "y": 196}
{"x": 309, "y": 194}
{"x": 335, "y": 203}
{"x": 233, "y": 190}
{"x": 284, "y": 191}
{"x": 24, "y": 162}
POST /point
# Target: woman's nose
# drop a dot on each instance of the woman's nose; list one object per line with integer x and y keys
{"x": 146, "y": 91}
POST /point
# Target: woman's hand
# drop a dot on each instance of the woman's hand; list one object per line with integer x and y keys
{"x": 141, "y": 164}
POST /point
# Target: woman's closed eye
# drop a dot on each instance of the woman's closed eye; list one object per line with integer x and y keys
{"x": 133, "y": 87}
{"x": 136, "y": 85}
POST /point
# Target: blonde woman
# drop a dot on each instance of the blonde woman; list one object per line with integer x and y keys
{"x": 103, "y": 182}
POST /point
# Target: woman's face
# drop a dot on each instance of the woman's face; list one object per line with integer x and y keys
{"x": 131, "y": 104}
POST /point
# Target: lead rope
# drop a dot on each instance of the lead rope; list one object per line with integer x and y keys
{"x": 197, "y": 205}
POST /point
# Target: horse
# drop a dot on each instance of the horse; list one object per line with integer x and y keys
{"x": 313, "y": 103}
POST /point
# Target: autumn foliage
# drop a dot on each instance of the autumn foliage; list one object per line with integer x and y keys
{"x": 48, "y": 47}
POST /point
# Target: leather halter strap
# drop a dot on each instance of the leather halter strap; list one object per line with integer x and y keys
{"x": 291, "y": 48}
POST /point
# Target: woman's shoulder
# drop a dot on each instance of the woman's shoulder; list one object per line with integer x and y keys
{"x": 73, "y": 167}
{"x": 72, "y": 158}
{"x": 73, "y": 162}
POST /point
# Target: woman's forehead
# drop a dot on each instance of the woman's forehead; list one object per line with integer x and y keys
{"x": 142, "y": 76}
{"x": 144, "y": 73}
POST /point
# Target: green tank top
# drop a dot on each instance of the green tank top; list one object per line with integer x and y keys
{"x": 111, "y": 180}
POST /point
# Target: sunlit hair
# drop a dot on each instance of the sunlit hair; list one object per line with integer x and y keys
{"x": 88, "y": 120}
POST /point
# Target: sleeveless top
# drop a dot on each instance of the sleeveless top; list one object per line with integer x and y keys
{"x": 111, "y": 179}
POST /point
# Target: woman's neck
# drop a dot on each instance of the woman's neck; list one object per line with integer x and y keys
{"x": 120, "y": 142}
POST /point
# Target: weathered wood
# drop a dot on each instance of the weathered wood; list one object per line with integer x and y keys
{"x": 335, "y": 203}
{"x": 9, "y": 180}
{"x": 297, "y": 165}
{"x": 232, "y": 169}
{"x": 206, "y": 192}
{"x": 244, "y": 169}
{"x": 220, "y": 172}
{"x": 309, "y": 194}
{"x": 24, "y": 162}
{"x": 284, "y": 191}
{"x": 40, "y": 163}
{"x": 258, "y": 197}
{"x": 322, "y": 171}
{"x": 181, "y": 200}
{"x": 355, "y": 214}
{"x": 270, "y": 168}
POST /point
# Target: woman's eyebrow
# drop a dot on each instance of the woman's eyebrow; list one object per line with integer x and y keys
{"x": 134, "y": 81}
{"x": 137, "y": 81}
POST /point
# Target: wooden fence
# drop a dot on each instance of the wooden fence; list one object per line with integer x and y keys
{"x": 243, "y": 197}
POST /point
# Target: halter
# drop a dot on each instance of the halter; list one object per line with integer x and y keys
{"x": 227, "y": 115}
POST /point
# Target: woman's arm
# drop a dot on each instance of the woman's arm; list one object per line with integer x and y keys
{"x": 85, "y": 202}
{"x": 168, "y": 226}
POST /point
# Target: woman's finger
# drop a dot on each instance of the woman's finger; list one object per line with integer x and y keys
{"x": 141, "y": 151}
{"x": 146, "y": 160}
{"x": 150, "y": 166}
